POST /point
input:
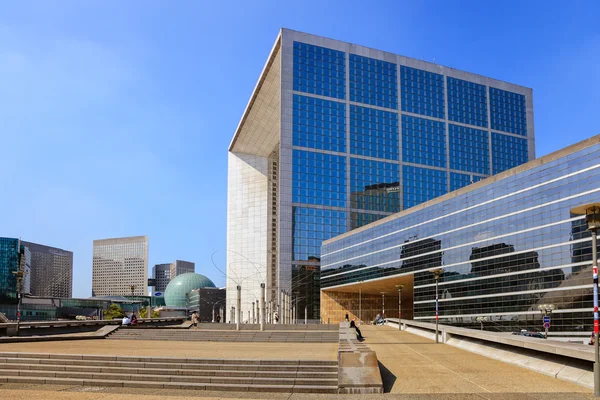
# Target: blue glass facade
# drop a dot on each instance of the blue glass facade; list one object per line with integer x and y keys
{"x": 469, "y": 149}
{"x": 319, "y": 179}
{"x": 374, "y": 185}
{"x": 311, "y": 227}
{"x": 9, "y": 263}
{"x": 373, "y": 82}
{"x": 373, "y": 133}
{"x": 467, "y": 102}
{"x": 422, "y": 92}
{"x": 505, "y": 247}
{"x": 508, "y": 111}
{"x": 507, "y": 152}
{"x": 319, "y": 124}
{"x": 422, "y": 184}
{"x": 423, "y": 141}
{"x": 318, "y": 70}
{"x": 458, "y": 181}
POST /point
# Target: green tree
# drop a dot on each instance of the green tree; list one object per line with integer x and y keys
{"x": 114, "y": 311}
{"x": 143, "y": 313}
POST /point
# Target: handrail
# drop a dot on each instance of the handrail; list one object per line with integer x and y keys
{"x": 573, "y": 350}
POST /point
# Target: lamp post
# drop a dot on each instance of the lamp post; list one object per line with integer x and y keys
{"x": 238, "y": 316}
{"x": 263, "y": 289}
{"x": 399, "y": 287}
{"x": 546, "y": 309}
{"x": 592, "y": 218}
{"x": 383, "y": 305}
{"x": 481, "y": 320}
{"x": 19, "y": 274}
{"x": 359, "y": 302}
{"x": 132, "y": 288}
{"x": 436, "y": 276}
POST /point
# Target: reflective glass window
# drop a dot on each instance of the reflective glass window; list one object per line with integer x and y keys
{"x": 422, "y": 184}
{"x": 319, "y": 70}
{"x": 458, "y": 181}
{"x": 374, "y": 185}
{"x": 422, "y": 92}
{"x": 373, "y": 82}
{"x": 373, "y": 133}
{"x": 319, "y": 124}
{"x": 423, "y": 141}
{"x": 319, "y": 179}
{"x": 467, "y": 102}
{"x": 311, "y": 226}
{"x": 508, "y": 111}
{"x": 508, "y": 152}
{"x": 469, "y": 149}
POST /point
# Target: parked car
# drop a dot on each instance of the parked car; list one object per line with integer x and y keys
{"x": 525, "y": 332}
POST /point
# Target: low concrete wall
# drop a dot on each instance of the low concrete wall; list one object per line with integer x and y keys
{"x": 565, "y": 361}
{"x": 358, "y": 368}
{"x": 48, "y": 328}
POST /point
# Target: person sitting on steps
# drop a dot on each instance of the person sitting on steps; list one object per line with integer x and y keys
{"x": 359, "y": 335}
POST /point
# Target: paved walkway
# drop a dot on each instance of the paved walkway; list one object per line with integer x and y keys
{"x": 241, "y": 350}
{"x": 413, "y": 364}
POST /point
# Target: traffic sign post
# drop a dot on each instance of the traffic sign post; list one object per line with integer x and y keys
{"x": 546, "y": 319}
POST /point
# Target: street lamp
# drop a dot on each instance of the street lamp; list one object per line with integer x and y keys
{"x": 592, "y": 217}
{"x": 360, "y": 302}
{"x": 132, "y": 288}
{"x": 399, "y": 287}
{"x": 19, "y": 274}
{"x": 436, "y": 276}
{"x": 481, "y": 320}
{"x": 187, "y": 303}
{"x": 546, "y": 309}
{"x": 383, "y": 305}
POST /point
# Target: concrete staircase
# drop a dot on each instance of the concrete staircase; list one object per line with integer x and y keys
{"x": 289, "y": 376}
{"x": 226, "y": 336}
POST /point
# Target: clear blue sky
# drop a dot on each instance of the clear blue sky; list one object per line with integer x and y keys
{"x": 115, "y": 116}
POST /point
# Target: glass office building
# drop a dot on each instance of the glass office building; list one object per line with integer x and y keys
{"x": 51, "y": 271}
{"x": 506, "y": 245}
{"x": 336, "y": 136}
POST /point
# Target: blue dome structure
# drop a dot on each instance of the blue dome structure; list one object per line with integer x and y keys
{"x": 182, "y": 284}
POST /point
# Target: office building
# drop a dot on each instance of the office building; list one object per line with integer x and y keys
{"x": 119, "y": 264}
{"x": 162, "y": 276}
{"x": 208, "y": 301}
{"x": 179, "y": 267}
{"x": 14, "y": 256}
{"x": 51, "y": 271}
{"x": 506, "y": 245}
{"x": 336, "y": 136}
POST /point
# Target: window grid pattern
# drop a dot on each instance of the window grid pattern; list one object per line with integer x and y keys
{"x": 422, "y": 184}
{"x": 374, "y": 185}
{"x": 319, "y": 70}
{"x": 422, "y": 92}
{"x": 358, "y": 219}
{"x": 319, "y": 124}
{"x": 467, "y": 102}
{"x": 311, "y": 226}
{"x": 508, "y": 111}
{"x": 373, "y": 133}
{"x": 508, "y": 152}
{"x": 373, "y": 82}
{"x": 458, "y": 181}
{"x": 423, "y": 141}
{"x": 319, "y": 179}
{"x": 469, "y": 149}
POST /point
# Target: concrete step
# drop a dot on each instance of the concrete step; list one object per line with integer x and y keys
{"x": 190, "y": 366}
{"x": 167, "y": 371}
{"x": 290, "y": 376}
{"x": 144, "y": 377}
{"x": 296, "y": 388}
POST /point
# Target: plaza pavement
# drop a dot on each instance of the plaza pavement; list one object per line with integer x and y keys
{"x": 412, "y": 368}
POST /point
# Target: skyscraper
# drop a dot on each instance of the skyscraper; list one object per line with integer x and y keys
{"x": 14, "y": 256}
{"x": 336, "y": 136}
{"x": 119, "y": 264}
{"x": 179, "y": 267}
{"x": 51, "y": 271}
{"x": 162, "y": 276}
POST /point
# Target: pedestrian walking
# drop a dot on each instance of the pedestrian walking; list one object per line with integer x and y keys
{"x": 195, "y": 320}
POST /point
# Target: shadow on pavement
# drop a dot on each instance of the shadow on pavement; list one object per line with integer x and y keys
{"x": 387, "y": 377}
